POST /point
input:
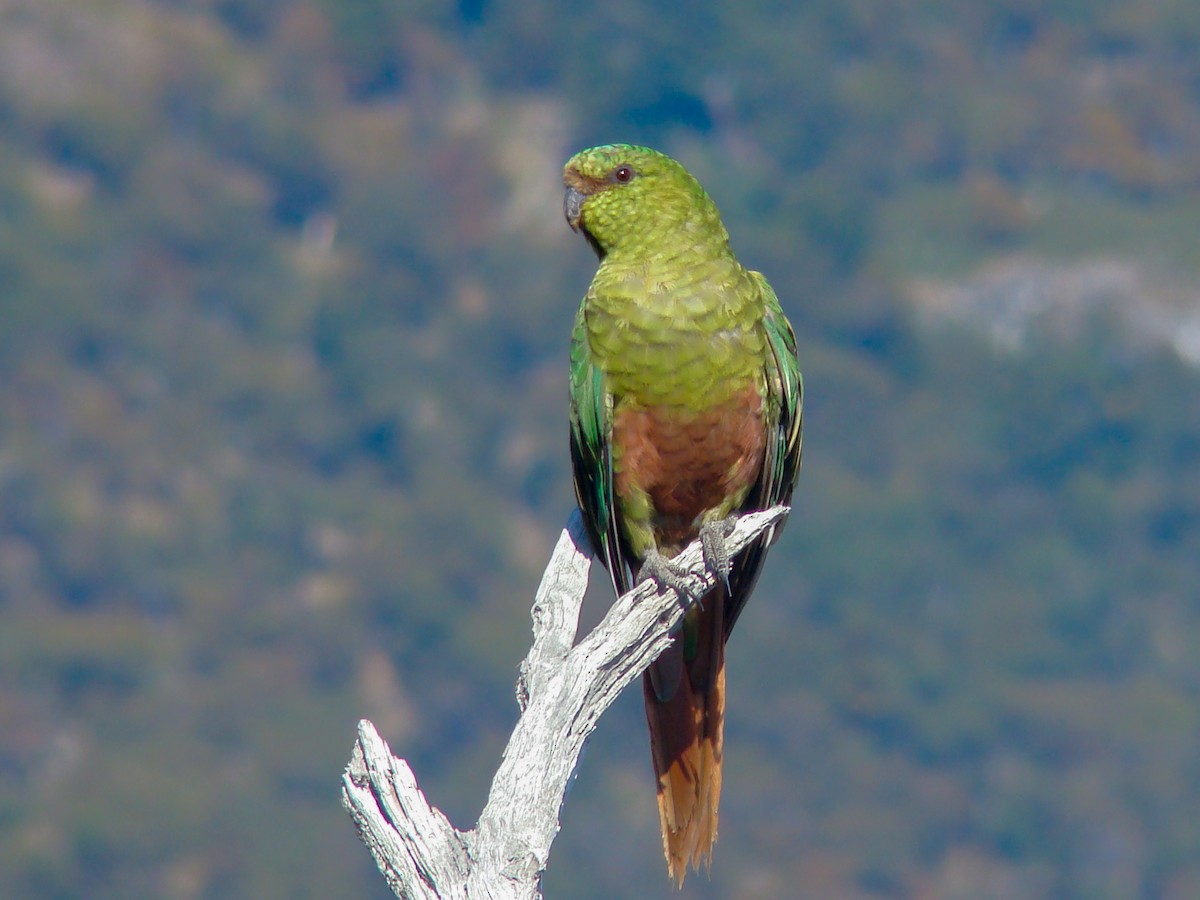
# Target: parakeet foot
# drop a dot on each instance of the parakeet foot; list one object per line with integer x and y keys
{"x": 715, "y": 547}
{"x": 666, "y": 573}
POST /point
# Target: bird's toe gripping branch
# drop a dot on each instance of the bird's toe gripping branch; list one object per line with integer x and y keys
{"x": 714, "y": 545}
{"x": 667, "y": 573}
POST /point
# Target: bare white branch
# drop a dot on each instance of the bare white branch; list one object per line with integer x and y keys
{"x": 563, "y": 690}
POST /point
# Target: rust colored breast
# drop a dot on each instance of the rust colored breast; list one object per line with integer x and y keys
{"x": 688, "y": 463}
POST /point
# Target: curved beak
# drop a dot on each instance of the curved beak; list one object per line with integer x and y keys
{"x": 573, "y": 207}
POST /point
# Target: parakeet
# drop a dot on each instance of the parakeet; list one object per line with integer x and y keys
{"x": 685, "y": 394}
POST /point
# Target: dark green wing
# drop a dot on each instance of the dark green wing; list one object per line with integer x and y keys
{"x": 591, "y": 459}
{"x": 781, "y": 464}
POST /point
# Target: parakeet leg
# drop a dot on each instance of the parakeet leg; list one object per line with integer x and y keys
{"x": 666, "y": 573}
{"x": 713, "y": 542}
{"x": 715, "y": 550}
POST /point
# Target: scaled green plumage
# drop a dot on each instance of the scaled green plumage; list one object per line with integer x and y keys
{"x": 685, "y": 409}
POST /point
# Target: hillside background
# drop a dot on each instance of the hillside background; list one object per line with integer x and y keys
{"x": 285, "y": 294}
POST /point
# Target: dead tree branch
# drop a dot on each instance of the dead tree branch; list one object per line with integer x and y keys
{"x": 563, "y": 689}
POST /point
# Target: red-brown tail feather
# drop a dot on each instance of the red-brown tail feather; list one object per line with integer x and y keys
{"x": 685, "y": 742}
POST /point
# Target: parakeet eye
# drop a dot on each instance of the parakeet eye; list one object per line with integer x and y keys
{"x": 622, "y": 174}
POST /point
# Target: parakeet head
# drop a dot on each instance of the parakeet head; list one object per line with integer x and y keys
{"x": 626, "y": 197}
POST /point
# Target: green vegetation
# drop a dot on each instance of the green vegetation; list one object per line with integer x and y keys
{"x": 285, "y": 295}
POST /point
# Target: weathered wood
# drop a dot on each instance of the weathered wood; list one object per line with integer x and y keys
{"x": 563, "y": 690}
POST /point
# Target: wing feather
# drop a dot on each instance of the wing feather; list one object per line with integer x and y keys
{"x": 591, "y": 459}
{"x": 784, "y": 405}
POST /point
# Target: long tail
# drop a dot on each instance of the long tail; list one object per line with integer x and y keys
{"x": 685, "y": 708}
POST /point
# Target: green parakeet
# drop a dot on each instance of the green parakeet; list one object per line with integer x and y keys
{"x": 685, "y": 410}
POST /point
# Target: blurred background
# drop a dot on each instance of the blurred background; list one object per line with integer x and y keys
{"x": 285, "y": 295}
